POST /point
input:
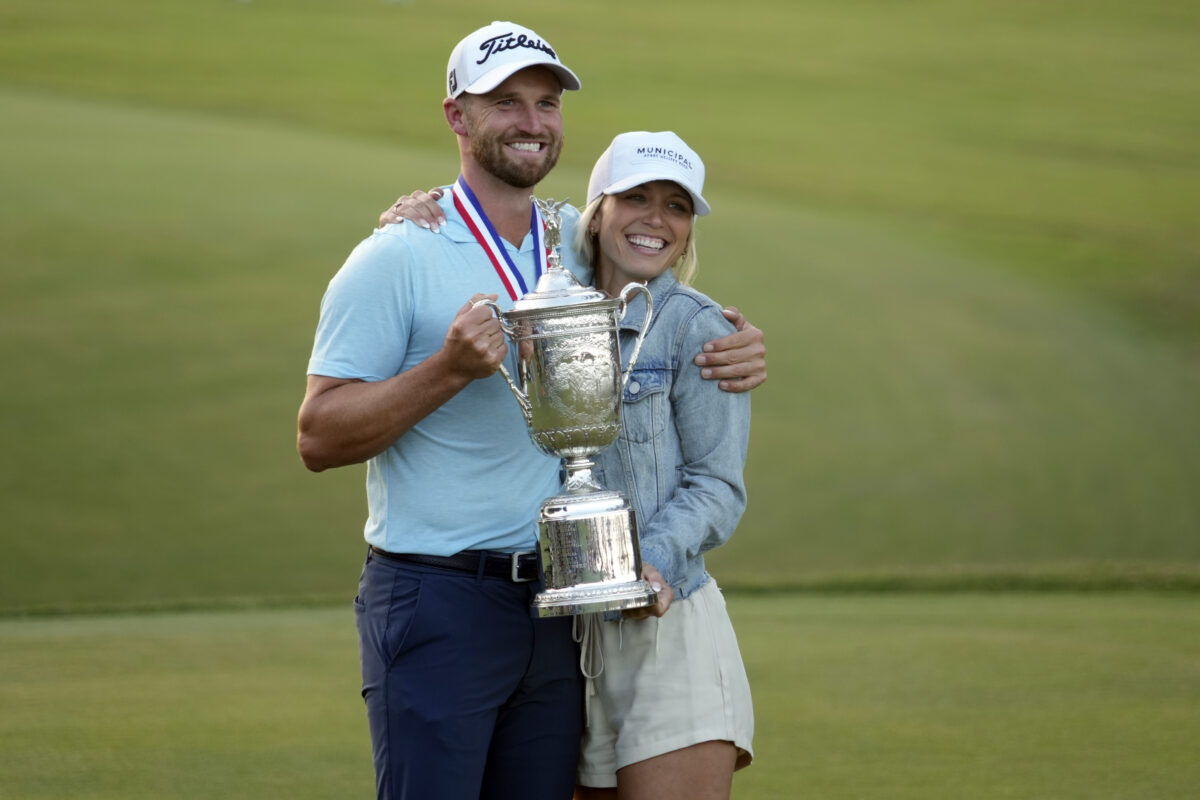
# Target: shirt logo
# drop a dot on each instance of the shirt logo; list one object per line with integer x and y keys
{"x": 506, "y": 41}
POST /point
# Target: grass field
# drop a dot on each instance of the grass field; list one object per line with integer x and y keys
{"x": 977, "y": 275}
{"x": 930, "y": 415}
{"x": 968, "y": 229}
{"x": 900, "y": 696}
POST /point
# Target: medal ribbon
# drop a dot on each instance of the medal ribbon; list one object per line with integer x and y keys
{"x": 472, "y": 213}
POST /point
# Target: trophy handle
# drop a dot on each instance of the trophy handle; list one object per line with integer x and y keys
{"x": 630, "y": 290}
{"x": 522, "y": 400}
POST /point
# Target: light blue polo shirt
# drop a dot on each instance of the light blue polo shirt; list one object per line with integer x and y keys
{"x": 467, "y": 477}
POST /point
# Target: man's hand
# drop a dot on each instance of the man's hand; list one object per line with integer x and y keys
{"x": 665, "y": 595}
{"x": 739, "y": 360}
{"x": 419, "y": 207}
{"x": 475, "y": 345}
{"x": 345, "y": 421}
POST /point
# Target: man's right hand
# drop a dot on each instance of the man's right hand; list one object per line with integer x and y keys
{"x": 347, "y": 421}
{"x": 475, "y": 345}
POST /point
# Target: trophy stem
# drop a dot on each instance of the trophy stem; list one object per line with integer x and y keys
{"x": 579, "y": 476}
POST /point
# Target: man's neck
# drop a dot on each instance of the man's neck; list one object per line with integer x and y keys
{"x": 507, "y": 207}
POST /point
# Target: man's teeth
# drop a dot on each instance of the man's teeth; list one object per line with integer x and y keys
{"x": 647, "y": 241}
{"x": 529, "y": 147}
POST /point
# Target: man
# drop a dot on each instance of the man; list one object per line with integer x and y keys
{"x": 467, "y": 695}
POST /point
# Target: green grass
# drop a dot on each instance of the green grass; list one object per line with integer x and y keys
{"x": 967, "y": 233}
{"x": 253, "y": 705}
{"x": 900, "y": 696}
{"x": 924, "y": 411}
{"x": 968, "y": 230}
{"x": 980, "y": 696}
{"x": 1065, "y": 129}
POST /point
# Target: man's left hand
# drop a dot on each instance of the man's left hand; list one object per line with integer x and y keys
{"x": 738, "y": 361}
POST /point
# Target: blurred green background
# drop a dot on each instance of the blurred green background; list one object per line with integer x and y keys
{"x": 969, "y": 231}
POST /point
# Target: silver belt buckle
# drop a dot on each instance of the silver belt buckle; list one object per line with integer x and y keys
{"x": 516, "y": 577}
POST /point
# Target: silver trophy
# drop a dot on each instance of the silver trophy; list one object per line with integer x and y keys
{"x": 569, "y": 361}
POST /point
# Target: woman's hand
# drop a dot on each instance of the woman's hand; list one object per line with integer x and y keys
{"x": 665, "y": 595}
{"x": 419, "y": 207}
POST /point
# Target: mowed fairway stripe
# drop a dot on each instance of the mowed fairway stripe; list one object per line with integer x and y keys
{"x": 927, "y": 697}
{"x": 897, "y": 696}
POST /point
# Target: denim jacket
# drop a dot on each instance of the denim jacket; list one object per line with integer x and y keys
{"x": 682, "y": 448}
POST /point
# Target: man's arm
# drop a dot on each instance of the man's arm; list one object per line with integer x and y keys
{"x": 738, "y": 361}
{"x": 345, "y": 421}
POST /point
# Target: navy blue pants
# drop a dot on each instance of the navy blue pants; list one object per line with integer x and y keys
{"x": 467, "y": 696}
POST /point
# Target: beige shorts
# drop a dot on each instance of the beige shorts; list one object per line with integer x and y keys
{"x": 667, "y": 683}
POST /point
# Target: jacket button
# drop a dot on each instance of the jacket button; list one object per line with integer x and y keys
{"x": 634, "y": 387}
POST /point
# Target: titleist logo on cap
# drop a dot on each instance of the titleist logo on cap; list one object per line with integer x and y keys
{"x": 666, "y": 154}
{"x": 506, "y": 41}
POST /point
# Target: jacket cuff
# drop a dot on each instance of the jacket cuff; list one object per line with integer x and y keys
{"x": 661, "y": 561}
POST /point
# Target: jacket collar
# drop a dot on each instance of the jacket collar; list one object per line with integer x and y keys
{"x": 660, "y": 288}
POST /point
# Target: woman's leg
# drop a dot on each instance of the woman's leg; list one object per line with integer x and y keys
{"x": 700, "y": 772}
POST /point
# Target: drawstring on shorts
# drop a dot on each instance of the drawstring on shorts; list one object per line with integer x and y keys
{"x": 585, "y": 629}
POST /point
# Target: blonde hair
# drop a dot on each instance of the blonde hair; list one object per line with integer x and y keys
{"x": 685, "y": 267}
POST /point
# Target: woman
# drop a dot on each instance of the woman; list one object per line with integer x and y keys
{"x": 669, "y": 711}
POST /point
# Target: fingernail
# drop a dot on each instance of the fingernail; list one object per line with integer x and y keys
{"x": 423, "y": 224}
{"x": 436, "y": 228}
{"x": 656, "y": 586}
{"x": 701, "y": 360}
{"x": 441, "y": 220}
{"x": 708, "y": 348}
{"x": 706, "y": 373}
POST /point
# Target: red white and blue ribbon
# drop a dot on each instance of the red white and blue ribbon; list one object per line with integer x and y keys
{"x": 472, "y": 213}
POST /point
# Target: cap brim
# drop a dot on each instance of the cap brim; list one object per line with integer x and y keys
{"x": 493, "y": 78}
{"x": 700, "y": 206}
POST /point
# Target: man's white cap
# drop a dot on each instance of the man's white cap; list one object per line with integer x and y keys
{"x": 485, "y": 58}
{"x": 640, "y": 157}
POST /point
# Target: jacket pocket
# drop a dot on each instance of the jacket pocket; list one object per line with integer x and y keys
{"x": 646, "y": 406}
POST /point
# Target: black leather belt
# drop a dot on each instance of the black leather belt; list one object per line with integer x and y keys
{"x": 516, "y": 567}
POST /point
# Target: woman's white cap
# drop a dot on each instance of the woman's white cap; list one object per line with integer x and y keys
{"x": 485, "y": 58}
{"x": 640, "y": 157}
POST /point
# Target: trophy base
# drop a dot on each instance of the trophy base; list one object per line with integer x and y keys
{"x": 589, "y": 556}
{"x": 594, "y": 598}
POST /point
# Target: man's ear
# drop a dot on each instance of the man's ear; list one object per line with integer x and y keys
{"x": 455, "y": 113}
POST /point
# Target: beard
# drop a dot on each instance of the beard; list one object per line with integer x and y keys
{"x": 491, "y": 154}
